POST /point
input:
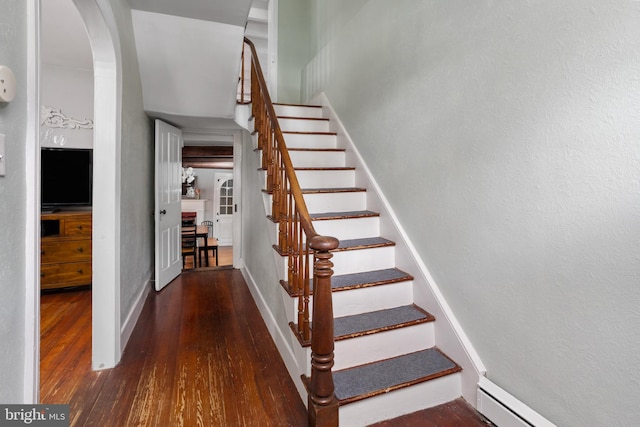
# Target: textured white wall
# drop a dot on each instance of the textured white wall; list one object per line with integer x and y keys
{"x": 257, "y": 251}
{"x": 137, "y": 166}
{"x": 190, "y": 66}
{"x": 293, "y": 47}
{"x": 505, "y": 135}
{"x": 13, "y": 54}
{"x": 69, "y": 90}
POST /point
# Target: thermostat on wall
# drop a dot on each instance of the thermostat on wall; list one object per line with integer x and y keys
{"x": 7, "y": 84}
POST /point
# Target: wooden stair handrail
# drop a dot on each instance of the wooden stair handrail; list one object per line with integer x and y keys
{"x": 297, "y": 239}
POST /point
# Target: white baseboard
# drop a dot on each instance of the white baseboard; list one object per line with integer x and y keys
{"x": 281, "y": 342}
{"x": 130, "y": 322}
{"x": 504, "y": 410}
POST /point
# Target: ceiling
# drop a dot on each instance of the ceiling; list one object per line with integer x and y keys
{"x": 188, "y": 54}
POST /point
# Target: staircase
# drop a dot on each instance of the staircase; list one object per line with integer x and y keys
{"x": 387, "y": 362}
{"x": 257, "y": 29}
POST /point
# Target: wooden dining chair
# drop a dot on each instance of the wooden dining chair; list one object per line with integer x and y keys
{"x": 189, "y": 244}
{"x": 212, "y": 243}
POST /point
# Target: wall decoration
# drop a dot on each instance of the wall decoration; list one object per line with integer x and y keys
{"x": 51, "y": 138}
{"x": 53, "y": 117}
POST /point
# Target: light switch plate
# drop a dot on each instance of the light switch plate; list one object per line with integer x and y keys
{"x": 2, "y": 156}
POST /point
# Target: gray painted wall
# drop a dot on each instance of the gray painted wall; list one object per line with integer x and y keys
{"x": 257, "y": 244}
{"x": 69, "y": 90}
{"x": 137, "y": 195}
{"x": 13, "y": 54}
{"x": 293, "y": 47}
{"x": 505, "y": 136}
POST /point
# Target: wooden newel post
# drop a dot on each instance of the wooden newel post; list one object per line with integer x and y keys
{"x": 323, "y": 406}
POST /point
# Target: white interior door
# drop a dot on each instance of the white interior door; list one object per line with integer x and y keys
{"x": 223, "y": 208}
{"x": 168, "y": 190}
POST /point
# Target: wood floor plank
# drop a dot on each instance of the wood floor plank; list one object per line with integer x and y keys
{"x": 199, "y": 355}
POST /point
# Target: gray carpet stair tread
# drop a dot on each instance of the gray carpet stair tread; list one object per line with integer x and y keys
{"x": 388, "y": 275}
{"x": 375, "y": 320}
{"x": 365, "y": 242}
{"x": 339, "y": 215}
{"x": 377, "y": 377}
{"x": 333, "y": 190}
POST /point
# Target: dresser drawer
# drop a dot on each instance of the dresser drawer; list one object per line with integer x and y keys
{"x": 61, "y": 275}
{"x": 77, "y": 227}
{"x": 65, "y": 251}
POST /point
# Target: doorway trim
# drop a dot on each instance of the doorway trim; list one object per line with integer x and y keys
{"x": 107, "y": 67}
{"x": 31, "y": 373}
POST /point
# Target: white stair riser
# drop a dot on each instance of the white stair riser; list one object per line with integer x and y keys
{"x": 326, "y": 178}
{"x": 290, "y": 306}
{"x": 321, "y": 178}
{"x": 372, "y": 298}
{"x": 400, "y": 402}
{"x": 298, "y": 111}
{"x": 301, "y": 140}
{"x": 349, "y": 228}
{"x": 363, "y": 300}
{"x": 380, "y": 297}
{"x": 342, "y": 229}
{"x": 317, "y": 159}
{"x": 383, "y": 345}
{"x": 330, "y": 202}
{"x": 336, "y": 202}
{"x": 361, "y": 260}
{"x": 356, "y": 261}
{"x": 303, "y": 125}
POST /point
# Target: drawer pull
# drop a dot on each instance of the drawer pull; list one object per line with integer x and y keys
{"x": 41, "y": 274}
{"x": 80, "y": 250}
{"x": 80, "y": 271}
{"x": 42, "y": 252}
{"x": 79, "y": 227}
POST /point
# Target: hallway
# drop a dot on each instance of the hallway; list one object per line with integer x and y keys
{"x": 200, "y": 355}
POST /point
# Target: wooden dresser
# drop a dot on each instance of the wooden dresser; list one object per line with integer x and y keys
{"x": 65, "y": 249}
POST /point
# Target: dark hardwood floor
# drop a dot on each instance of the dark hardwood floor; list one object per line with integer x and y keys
{"x": 200, "y": 355}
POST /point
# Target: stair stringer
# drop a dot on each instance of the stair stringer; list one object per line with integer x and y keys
{"x": 451, "y": 338}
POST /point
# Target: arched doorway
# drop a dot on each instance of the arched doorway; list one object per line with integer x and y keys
{"x": 106, "y": 347}
{"x": 101, "y": 27}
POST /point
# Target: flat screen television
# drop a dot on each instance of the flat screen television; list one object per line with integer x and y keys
{"x": 66, "y": 178}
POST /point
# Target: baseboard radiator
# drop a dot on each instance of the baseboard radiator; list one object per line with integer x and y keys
{"x": 504, "y": 410}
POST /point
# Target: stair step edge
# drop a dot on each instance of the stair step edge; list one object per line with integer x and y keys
{"x": 301, "y": 132}
{"x": 365, "y": 243}
{"x": 327, "y": 190}
{"x": 323, "y": 119}
{"x": 318, "y": 150}
{"x": 369, "y": 278}
{"x": 398, "y": 372}
{"x": 354, "y": 244}
{"x": 284, "y": 104}
{"x": 354, "y": 281}
{"x": 368, "y": 331}
{"x": 326, "y": 168}
{"x": 326, "y": 216}
{"x": 358, "y": 325}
